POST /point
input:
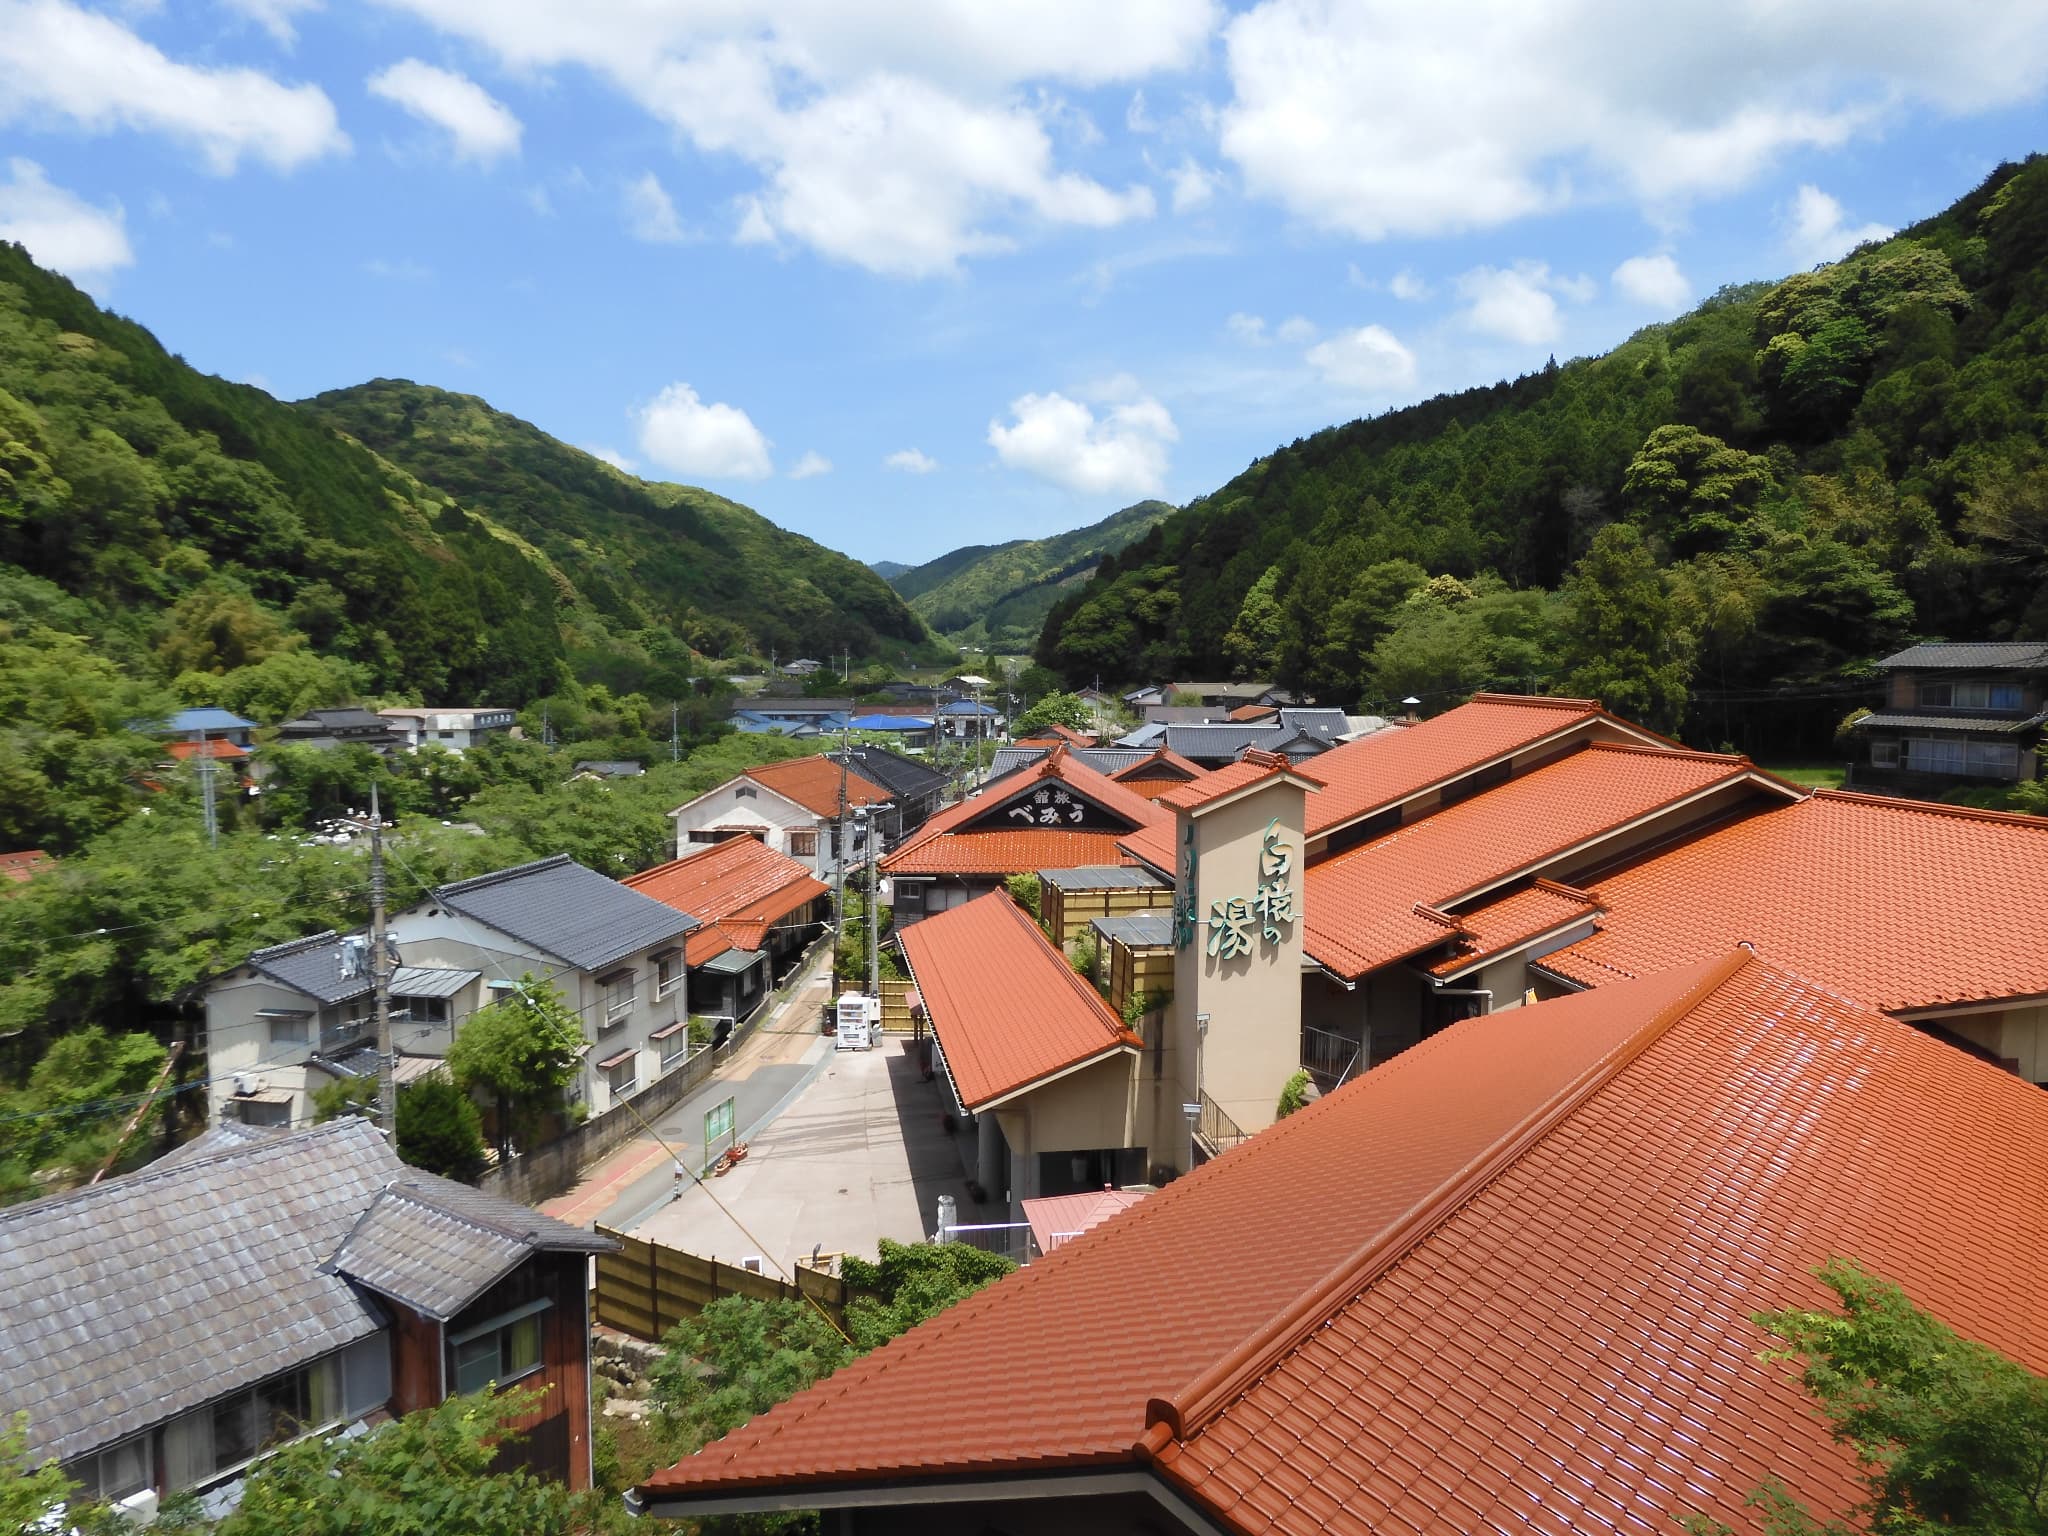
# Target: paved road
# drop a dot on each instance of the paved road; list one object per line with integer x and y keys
{"x": 767, "y": 1070}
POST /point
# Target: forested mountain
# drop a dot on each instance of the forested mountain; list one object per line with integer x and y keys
{"x": 888, "y": 570}
{"x": 641, "y": 555}
{"x": 195, "y": 529}
{"x": 1715, "y": 527}
{"x": 999, "y": 594}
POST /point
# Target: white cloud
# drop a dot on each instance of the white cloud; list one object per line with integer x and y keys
{"x": 273, "y": 16}
{"x": 1518, "y": 303}
{"x": 1296, "y": 330}
{"x": 810, "y": 466}
{"x": 481, "y": 127}
{"x": 1816, "y": 229}
{"x": 61, "y": 230}
{"x": 1368, "y": 361}
{"x": 902, "y": 142}
{"x": 1249, "y": 329}
{"x": 1407, "y": 287}
{"x": 650, "y": 216}
{"x": 62, "y": 64}
{"x": 911, "y": 461}
{"x": 1193, "y": 185}
{"x": 753, "y": 227}
{"x": 1653, "y": 281}
{"x": 680, "y": 432}
{"x": 611, "y": 456}
{"x": 1125, "y": 450}
{"x": 1381, "y": 117}
{"x": 1136, "y": 118}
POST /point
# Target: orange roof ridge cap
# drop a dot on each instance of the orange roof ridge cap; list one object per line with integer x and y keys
{"x": 1540, "y": 700}
{"x": 1189, "y": 1409}
{"x": 1934, "y": 807}
{"x": 1693, "y": 754}
{"x": 1435, "y": 915}
{"x": 1559, "y": 888}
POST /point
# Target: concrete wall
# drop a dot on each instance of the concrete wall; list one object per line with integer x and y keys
{"x": 1253, "y": 1042}
{"x": 1092, "y": 1110}
{"x": 238, "y": 1041}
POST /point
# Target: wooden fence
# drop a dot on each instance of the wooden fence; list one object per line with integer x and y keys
{"x": 645, "y": 1288}
{"x": 896, "y": 1005}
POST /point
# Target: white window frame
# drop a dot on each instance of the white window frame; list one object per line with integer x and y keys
{"x": 669, "y": 972}
{"x": 289, "y": 1026}
{"x": 618, "y": 1007}
{"x": 631, "y": 1067}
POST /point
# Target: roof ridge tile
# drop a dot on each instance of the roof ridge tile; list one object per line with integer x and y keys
{"x": 500, "y": 876}
{"x": 1935, "y": 808}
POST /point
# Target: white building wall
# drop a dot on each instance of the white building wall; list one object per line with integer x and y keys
{"x": 760, "y": 811}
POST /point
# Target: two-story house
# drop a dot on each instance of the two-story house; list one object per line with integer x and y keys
{"x": 349, "y": 727}
{"x": 455, "y": 728}
{"x": 166, "y": 1328}
{"x": 793, "y": 806}
{"x": 916, "y": 789}
{"x": 1956, "y": 712}
{"x": 295, "y": 1016}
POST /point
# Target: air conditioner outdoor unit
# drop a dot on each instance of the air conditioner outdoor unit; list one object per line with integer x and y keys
{"x": 138, "y": 1508}
{"x": 247, "y": 1083}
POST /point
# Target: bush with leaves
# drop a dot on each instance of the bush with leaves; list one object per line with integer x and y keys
{"x": 1952, "y": 1436}
{"x": 439, "y": 1128}
{"x": 525, "y": 1049}
{"x": 910, "y": 1282}
{"x": 1293, "y": 1096}
{"x": 1055, "y": 709}
{"x": 1027, "y": 891}
{"x": 736, "y": 1358}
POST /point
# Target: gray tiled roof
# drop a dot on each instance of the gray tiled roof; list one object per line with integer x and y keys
{"x": 575, "y": 914}
{"x": 436, "y": 1245}
{"x": 2002, "y": 725}
{"x": 312, "y": 965}
{"x": 1326, "y": 724}
{"x": 1105, "y": 877}
{"x": 1010, "y": 759}
{"x": 136, "y": 1299}
{"x": 1101, "y": 759}
{"x": 1974, "y": 655}
{"x": 1149, "y": 735}
{"x": 1211, "y": 743}
{"x": 1138, "y": 930}
{"x": 900, "y": 775}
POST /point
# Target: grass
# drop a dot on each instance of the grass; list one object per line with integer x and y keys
{"x": 1819, "y": 775}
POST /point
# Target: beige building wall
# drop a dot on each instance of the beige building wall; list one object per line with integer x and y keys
{"x": 1091, "y": 1110}
{"x": 2015, "y": 1035}
{"x": 1253, "y": 1001}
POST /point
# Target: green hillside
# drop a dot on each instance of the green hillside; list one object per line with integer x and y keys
{"x": 642, "y": 555}
{"x": 999, "y": 594}
{"x": 1716, "y": 527}
{"x": 888, "y": 570}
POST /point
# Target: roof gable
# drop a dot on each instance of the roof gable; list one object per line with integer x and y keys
{"x": 1007, "y": 1008}
{"x": 320, "y": 965}
{"x": 981, "y": 835}
{"x": 575, "y": 914}
{"x": 734, "y": 888}
{"x": 815, "y": 783}
{"x": 901, "y": 776}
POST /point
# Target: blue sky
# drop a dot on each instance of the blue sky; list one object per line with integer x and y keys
{"x": 909, "y": 274}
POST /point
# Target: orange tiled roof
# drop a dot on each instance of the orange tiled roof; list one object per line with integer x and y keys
{"x": 1502, "y": 1282}
{"x": 1361, "y": 909}
{"x": 217, "y": 747}
{"x": 19, "y": 868}
{"x": 1005, "y": 1004}
{"x": 813, "y": 783}
{"x": 1374, "y": 771}
{"x": 1247, "y": 713}
{"x": 1229, "y": 779}
{"x": 1058, "y": 732}
{"x": 736, "y": 889}
{"x": 1537, "y": 909}
{"x": 1898, "y": 903}
{"x": 937, "y": 849}
{"x": 1057, "y": 1219}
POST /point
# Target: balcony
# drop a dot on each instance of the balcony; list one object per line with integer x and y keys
{"x": 1329, "y": 1059}
{"x": 340, "y": 1034}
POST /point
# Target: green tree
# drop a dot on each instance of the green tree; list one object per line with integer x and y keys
{"x": 1054, "y": 709}
{"x": 911, "y": 1282}
{"x": 1026, "y": 891}
{"x": 427, "y": 1474}
{"x": 1622, "y": 642}
{"x": 31, "y": 1492}
{"x": 1293, "y": 1096}
{"x": 1694, "y": 491}
{"x": 1952, "y": 1435}
{"x": 1253, "y": 643}
{"x": 525, "y": 1049}
{"x": 439, "y": 1128}
{"x": 736, "y": 1358}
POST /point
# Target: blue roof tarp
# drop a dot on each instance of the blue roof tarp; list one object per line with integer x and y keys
{"x": 890, "y": 723}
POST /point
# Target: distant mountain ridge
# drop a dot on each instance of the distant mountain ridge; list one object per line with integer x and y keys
{"x": 999, "y": 594}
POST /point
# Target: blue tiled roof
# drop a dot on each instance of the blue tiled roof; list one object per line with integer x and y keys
{"x": 968, "y": 707}
{"x": 207, "y": 718}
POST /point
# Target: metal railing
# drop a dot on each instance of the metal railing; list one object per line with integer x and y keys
{"x": 1215, "y": 1130}
{"x": 1328, "y": 1057}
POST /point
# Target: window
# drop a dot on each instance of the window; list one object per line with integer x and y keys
{"x": 421, "y": 1010}
{"x": 705, "y": 837}
{"x": 1971, "y": 696}
{"x": 745, "y": 792}
{"x": 674, "y": 1041}
{"x": 235, "y": 1429}
{"x": 623, "y": 1077}
{"x": 347, "y": 1023}
{"x": 256, "y": 1112}
{"x": 116, "y": 1472}
{"x": 501, "y": 1350}
{"x": 1884, "y": 754}
{"x": 803, "y": 845}
{"x": 1975, "y": 759}
{"x": 668, "y": 970}
{"x": 288, "y": 1026}
{"x": 618, "y": 998}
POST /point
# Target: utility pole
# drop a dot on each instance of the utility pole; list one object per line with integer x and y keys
{"x": 839, "y": 841}
{"x": 380, "y": 975}
{"x": 675, "y": 740}
{"x": 874, "y": 820}
{"x": 206, "y": 800}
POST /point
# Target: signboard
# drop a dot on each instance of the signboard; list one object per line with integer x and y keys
{"x": 718, "y": 1126}
{"x": 1232, "y": 920}
{"x": 853, "y": 1023}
